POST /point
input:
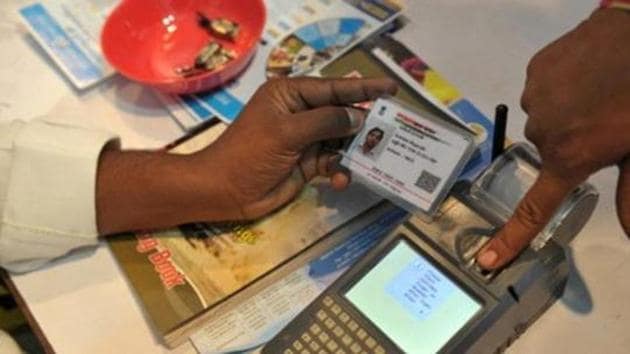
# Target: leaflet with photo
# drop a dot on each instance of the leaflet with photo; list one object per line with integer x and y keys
{"x": 413, "y": 159}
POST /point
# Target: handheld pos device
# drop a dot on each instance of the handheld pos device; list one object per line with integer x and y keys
{"x": 421, "y": 291}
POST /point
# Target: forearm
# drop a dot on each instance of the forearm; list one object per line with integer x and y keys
{"x": 151, "y": 190}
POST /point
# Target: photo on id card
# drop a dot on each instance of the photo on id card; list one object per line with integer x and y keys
{"x": 410, "y": 158}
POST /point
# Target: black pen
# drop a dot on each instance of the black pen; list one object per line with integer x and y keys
{"x": 192, "y": 132}
{"x": 500, "y": 125}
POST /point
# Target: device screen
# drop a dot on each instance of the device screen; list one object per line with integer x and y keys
{"x": 412, "y": 301}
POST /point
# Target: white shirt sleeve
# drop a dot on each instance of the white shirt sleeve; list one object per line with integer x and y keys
{"x": 47, "y": 191}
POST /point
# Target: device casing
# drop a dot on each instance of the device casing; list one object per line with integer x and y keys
{"x": 512, "y": 298}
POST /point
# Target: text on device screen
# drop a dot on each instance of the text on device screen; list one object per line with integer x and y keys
{"x": 412, "y": 302}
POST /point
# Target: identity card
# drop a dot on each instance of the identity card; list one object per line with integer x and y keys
{"x": 410, "y": 158}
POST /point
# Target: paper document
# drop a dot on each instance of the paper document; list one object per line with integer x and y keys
{"x": 69, "y": 31}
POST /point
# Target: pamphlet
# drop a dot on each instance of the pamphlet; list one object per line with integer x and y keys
{"x": 69, "y": 31}
{"x": 184, "y": 275}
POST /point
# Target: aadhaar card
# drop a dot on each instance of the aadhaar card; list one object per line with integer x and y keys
{"x": 413, "y": 159}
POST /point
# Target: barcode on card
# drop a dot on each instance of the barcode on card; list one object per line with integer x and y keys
{"x": 428, "y": 181}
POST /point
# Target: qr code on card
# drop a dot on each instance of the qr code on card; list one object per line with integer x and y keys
{"x": 428, "y": 181}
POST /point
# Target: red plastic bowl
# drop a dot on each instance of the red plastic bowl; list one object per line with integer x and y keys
{"x": 146, "y": 40}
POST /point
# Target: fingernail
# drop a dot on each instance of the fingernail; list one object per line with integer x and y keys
{"x": 356, "y": 119}
{"x": 488, "y": 258}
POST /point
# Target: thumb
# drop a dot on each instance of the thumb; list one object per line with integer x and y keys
{"x": 530, "y": 217}
{"x": 623, "y": 195}
{"x": 324, "y": 123}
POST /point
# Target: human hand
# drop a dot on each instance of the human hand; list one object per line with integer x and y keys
{"x": 257, "y": 165}
{"x": 275, "y": 146}
{"x": 577, "y": 96}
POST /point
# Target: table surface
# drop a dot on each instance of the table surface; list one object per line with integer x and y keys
{"x": 84, "y": 304}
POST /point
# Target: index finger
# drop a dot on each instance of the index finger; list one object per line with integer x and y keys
{"x": 530, "y": 217}
{"x": 313, "y": 92}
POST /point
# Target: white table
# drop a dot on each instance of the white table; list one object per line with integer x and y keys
{"x": 84, "y": 304}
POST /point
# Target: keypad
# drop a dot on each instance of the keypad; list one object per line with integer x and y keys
{"x": 334, "y": 331}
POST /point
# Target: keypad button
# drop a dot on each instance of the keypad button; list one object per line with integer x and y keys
{"x": 343, "y": 317}
{"x": 338, "y": 331}
{"x": 340, "y": 351}
{"x": 355, "y": 348}
{"x": 321, "y": 315}
{"x": 288, "y": 351}
{"x": 323, "y": 337}
{"x": 297, "y": 345}
{"x": 314, "y": 345}
{"x": 346, "y": 340}
{"x": 306, "y": 337}
{"x": 379, "y": 350}
{"x": 361, "y": 334}
{"x": 352, "y": 326}
{"x": 335, "y": 309}
{"x": 315, "y": 329}
{"x": 322, "y": 351}
{"x": 370, "y": 342}
{"x": 332, "y": 345}
{"x": 328, "y": 301}
{"x": 329, "y": 323}
{"x": 305, "y": 351}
